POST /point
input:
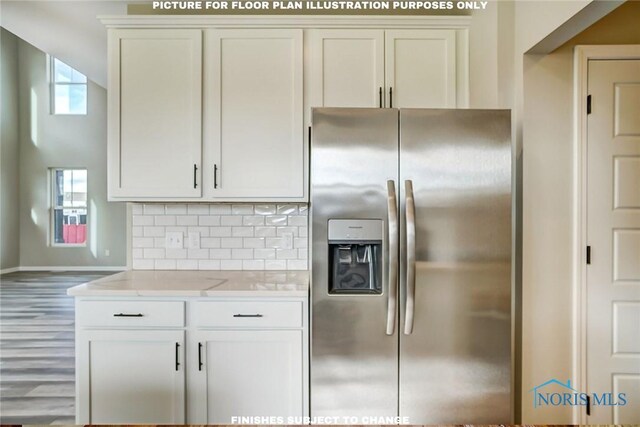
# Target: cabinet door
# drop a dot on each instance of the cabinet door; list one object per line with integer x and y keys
{"x": 130, "y": 377}
{"x": 155, "y": 135}
{"x": 248, "y": 373}
{"x": 254, "y": 122}
{"x": 347, "y": 68}
{"x": 421, "y": 68}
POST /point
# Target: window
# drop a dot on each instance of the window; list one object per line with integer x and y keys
{"x": 68, "y": 89}
{"x": 69, "y": 207}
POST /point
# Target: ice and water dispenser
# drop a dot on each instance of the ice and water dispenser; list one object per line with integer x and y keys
{"x": 355, "y": 256}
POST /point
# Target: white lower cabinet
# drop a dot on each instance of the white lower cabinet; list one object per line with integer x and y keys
{"x": 248, "y": 373}
{"x": 191, "y": 360}
{"x": 130, "y": 377}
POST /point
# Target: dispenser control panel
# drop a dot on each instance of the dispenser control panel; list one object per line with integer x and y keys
{"x": 356, "y": 229}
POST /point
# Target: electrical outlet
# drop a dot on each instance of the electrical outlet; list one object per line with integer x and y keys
{"x": 107, "y": 252}
{"x": 194, "y": 240}
{"x": 288, "y": 240}
{"x": 173, "y": 240}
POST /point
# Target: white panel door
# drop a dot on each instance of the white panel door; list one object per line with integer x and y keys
{"x": 131, "y": 377}
{"x": 420, "y": 68}
{"x": 613, "y": 232}
{"x": 155, "y": 112}
{"x": 255, "y": 115}
{"x": 248, "y": 373}
{"x": 347, "y": 68}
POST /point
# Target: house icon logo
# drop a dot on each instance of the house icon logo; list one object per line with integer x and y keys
{"x": 557, "y": 393}
{"x": 536, "y": 393}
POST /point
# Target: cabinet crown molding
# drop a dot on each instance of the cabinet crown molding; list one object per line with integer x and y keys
{"x": 288, "y": 21}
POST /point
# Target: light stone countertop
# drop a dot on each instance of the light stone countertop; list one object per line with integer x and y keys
{"x": 192, "y": 283}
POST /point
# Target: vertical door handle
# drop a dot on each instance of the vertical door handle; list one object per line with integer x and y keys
{"x": 199, "y": 356}
{"x": 195, "y": 172}
{"x": 177, "y": 355}
{"x": 380, "y": 96}
{"x": 215, "y": 175}
{"x": 392, "y": 215}
{"x": 411, "y": 258}
{"x": 390, "y": 97}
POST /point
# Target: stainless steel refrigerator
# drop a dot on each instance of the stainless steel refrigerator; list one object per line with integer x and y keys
{"x": 411, "y": 271}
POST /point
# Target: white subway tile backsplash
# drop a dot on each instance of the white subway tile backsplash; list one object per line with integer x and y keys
{"x": 220, "y": 231}
{"x": 264, "y": 231}
{"x": 187, "y": 264}
{"x": 265, "y": 209}
{"x": 153, "y": 209}
{"x": 220, "y": 209}
{"x": 240, "y": 236}
{"x": 253, "y": 220}
{"x": 210, "y": 242}
{"x": 297, "y": 220}
{"x": 187, "y": 220}
{"x": 242, "y": 209}
{"x": 175, "y": 209}
{"x": 231, "y": 242}
{"x": 220, "y": 253}
{"x": 231, "y": 220}
{"x": 286, "y": 253}
{"x": 287, "y": 209}
{"x": 165, "y": 264}
{"x": 253, "y": 264}
{"x": 164, "y": 220}
{"x": 209, "y": 264}
{"x": 227, "y": 264}
{"x": 242, "y": 253}
{"x": 151, "y": 253}
{"x": 142, "y": 220}
{"x": 242, "y": 231}
{"x": 198, "y": 209}
{"x": 264, "y": 254}
{"x": 296, "y": 264}
{"x": 276, "y": 220}
{"x": 153, "y": 231}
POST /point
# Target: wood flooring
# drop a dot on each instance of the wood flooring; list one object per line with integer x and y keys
{"x": 37, "y": 360}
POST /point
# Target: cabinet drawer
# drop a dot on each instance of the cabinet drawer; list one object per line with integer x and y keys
{"x": 262, "y": 314}
{"x": 130, "y": 313}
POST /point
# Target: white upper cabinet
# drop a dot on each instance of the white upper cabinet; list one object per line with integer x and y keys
{"x": 254, "y": 138}
{"x": 155, "y": 112}
{"x": 421, "y": 68}
{"x": 347, "y": 68}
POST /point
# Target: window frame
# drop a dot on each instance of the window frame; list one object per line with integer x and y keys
{"x": 53, "y": 207}
{"x": 53, "y": 84}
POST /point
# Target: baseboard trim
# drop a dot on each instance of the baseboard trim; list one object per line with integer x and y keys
{"x": 66, "y": 268}
{"x": 9, "y": 270}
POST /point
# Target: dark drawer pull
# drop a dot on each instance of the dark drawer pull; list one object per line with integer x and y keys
{"x": 128, "y": 315}
{"x": 247, "y": 315}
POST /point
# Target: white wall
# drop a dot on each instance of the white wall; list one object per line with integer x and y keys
{"x": 9, "y": 229}
{"x": 548, "y": 226}
{"x": 47, "y": 141}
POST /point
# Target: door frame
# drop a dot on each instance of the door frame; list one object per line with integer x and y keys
{"x": 582, "y": 55}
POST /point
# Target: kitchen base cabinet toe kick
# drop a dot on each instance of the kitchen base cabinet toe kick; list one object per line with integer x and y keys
{"x": 207, "y": 360}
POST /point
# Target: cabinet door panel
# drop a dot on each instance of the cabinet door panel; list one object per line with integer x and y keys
{"x": 250, "y": 373}
{"x": 155, "y": 113}
{"x": 347, "y": 68}
{"x": 256, "y": 119}
{"x": 421, "y": 68}
{"x": 131, "y": 377}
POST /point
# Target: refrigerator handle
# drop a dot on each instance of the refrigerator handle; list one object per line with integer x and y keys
{"x": 411, "y": 257}
{"x": 392, "y": 215}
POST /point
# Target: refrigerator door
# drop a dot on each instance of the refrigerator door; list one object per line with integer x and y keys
{"x": 455, "y": 268}
{"x": 354, "y": 363}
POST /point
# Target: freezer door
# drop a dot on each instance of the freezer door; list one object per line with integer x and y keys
{"x": 354, "y": 363}
{"x": 455, "y": 274}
